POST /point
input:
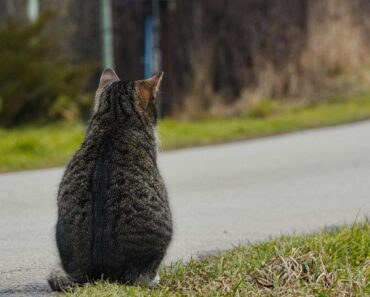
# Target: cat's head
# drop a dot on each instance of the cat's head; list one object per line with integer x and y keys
{"x": 127, "y": 100}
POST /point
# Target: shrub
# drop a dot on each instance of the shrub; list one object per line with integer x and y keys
{"x": 264, "y": 108}
{"x": 37, "y": 82}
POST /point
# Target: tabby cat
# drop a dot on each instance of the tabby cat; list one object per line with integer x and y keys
{"x": 114, "y": 220}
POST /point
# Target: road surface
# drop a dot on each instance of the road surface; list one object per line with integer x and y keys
{"x": 220, "y": 195}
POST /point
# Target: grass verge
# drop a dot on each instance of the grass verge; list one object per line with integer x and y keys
{"x": 52, "y": 145}
{"x": 334, "y": 262}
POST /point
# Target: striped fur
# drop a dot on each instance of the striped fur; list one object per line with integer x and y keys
{"x": 114, "y": 220}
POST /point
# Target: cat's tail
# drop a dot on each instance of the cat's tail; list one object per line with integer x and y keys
{"x": 59, "y": 280}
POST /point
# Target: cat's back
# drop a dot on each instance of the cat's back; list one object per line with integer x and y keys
{"x": 115, "y": 202}
{"x": 136, "y": 197}
{"x": 74, "y": 233}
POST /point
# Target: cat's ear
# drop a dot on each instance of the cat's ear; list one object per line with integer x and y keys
{"x": 148, "y": 88}
{"x": 108, "y": 76}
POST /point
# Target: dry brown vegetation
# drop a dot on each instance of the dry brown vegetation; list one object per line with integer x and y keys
{"x": 242, "y": 51}
{"x": 221, "y": 57}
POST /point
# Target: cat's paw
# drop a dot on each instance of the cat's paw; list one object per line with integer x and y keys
{"x": 146, "y": 281}
{"x": 59, "y": 280}
{"x": 155, "y": 281}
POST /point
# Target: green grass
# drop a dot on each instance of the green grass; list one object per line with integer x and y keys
{"x": 53, "y": 145}
{"x": 179, "y": 134}
{"x": 38, "y": 147}
{"x": 334, "y": 262}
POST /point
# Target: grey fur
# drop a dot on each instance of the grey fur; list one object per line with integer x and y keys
{"x": 114, "y": 220}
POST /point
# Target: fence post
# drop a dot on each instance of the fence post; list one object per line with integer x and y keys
{"x": 32, "y": 10}
{"x": 106, "y": 30}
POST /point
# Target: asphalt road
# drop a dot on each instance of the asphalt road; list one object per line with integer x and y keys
{"x": 220, "y": 195}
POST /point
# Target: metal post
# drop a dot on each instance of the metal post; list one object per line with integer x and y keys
{"x": 32, "y": 10}
{"x": 107, "y": 38}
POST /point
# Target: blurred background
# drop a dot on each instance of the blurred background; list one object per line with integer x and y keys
{"x": 240, "y": 59}
{"x": 219, "y": 56}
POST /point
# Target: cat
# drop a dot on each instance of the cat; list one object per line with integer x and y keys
{"x": 114, "y": 220}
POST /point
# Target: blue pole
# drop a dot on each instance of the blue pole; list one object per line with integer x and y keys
{"x": 156, "y": 65}
{"x": 148, "y": 46}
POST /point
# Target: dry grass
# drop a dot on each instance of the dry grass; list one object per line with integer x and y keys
{"x": 285, "y": 271}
